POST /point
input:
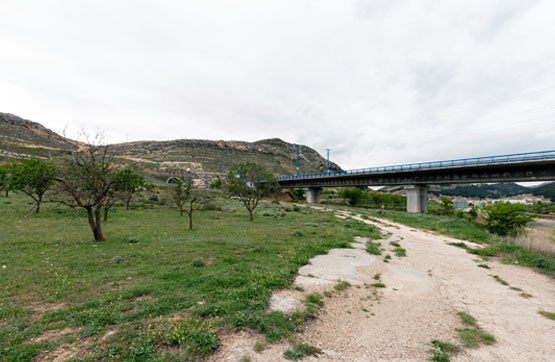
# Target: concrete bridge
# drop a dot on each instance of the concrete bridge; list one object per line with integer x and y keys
{"x": 521, "y": 167}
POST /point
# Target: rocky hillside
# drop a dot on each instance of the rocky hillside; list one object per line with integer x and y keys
{"x": 24, "y": 139}
{"x": 21, "y": 138}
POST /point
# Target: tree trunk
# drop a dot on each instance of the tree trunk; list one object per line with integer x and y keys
{"x": 38, "y": 203}
{"x": 105, "y": 214}
{"x": 251, "y": 215}
{"x": 94, "y": 222}
{"x": 191, "y": 221}
{"x": 98, "y": 224}
{"x": 7, "y": 193}
{"x": 127, "y": 204}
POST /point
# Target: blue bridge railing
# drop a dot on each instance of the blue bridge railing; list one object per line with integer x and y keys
{"x": 462, "y": 162}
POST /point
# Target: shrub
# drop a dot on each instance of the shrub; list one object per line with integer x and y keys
{"x": 116, "y": 259}
{"x": 504, "y": 218}
{"x": 198, "y": 262}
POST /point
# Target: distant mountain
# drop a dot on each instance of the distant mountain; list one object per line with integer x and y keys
{"x": 545, "y": 190}
{"x": 480, "y": 190}
{"x": 20, "y": 138}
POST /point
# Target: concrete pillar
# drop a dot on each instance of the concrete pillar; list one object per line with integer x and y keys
{"x": 417, "y": 198}
{"x": 313, "y": 195}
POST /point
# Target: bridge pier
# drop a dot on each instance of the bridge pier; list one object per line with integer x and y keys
{"x": 313, "y": 195}
{"x": 417, "y": 198}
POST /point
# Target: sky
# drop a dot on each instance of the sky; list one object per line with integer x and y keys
{"x": 376, "y": 82}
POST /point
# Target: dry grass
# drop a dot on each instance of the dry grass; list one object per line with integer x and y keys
{"x": 540, "y": 239}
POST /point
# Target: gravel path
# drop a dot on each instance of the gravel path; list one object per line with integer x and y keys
{"x": 423, "y": 293}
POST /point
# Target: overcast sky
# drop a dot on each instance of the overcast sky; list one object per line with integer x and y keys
{"x": 377, "y": 82}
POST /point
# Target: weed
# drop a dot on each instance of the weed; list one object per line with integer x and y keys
{"x": 246, "y": 358}
{"x": 526, "y": 295}
{"x": 327, "y": 294}
{"x": 297, "y": 233}
{"x": 341, "y": 286}
{"x": 467, "y": 318}
{"x": 314, "y": 298}
{"x": 373, "y": 248}
{"x": 378, "y": 285}
{"x": 299, "y": 289}
{"x": 394, "y": 243}
{"x": 485, "y": 266}
{"x": 459, "y": 245}
{"x": 300, "y": 351}
{"x": 377, "y": 276}
{"x": 198, "y": 262}
{"x": 400, "y": 252}
{"x": 259, "y": 347}
{"x": 499, "y": 280}
{"x": 549, "y": 315}
{"x": 441, "y": 350}
{"x": 116, "y": 259}
{"x": 516, "y": 288}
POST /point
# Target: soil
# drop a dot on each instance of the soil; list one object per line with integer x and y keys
{"x": 422, "y": 295}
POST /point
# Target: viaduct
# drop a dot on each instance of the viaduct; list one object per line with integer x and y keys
{"x": 521, "y": 167}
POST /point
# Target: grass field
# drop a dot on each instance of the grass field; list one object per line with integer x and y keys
{"x": 153, "y": 290}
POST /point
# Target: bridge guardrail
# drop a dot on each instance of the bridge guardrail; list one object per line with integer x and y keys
{"x": 464, "y": 162}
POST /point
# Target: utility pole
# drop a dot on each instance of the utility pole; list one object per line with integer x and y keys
{"x": 7, "y": 157}
{"x": 297, "y": 147}
{"x": 328, "y": 166}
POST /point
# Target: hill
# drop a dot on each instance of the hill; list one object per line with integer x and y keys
{"x": 480, "y": 190}
{"x": 27, "y": 139}
{"x": 545, "y": 190}
{"x": 22, "y": 138}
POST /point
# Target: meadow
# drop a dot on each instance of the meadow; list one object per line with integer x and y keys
{"x": 154, "y": 291}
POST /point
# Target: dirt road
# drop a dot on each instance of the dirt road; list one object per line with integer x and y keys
{"x": 422, "y": 295}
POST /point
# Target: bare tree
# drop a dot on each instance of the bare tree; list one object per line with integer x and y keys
{"x": 85, "y": 181}
{"x": 250, "y": 182}
{"x": 186, "y": 198}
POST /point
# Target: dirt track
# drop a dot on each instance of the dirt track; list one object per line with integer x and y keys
{"x": 424, "y": 291}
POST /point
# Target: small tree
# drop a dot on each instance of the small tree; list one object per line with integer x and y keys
{"x": 504, "y": 218}
{"x": 355, "y": 196}
{"x": 446, "y": 206}
{"x": 250, "y": 182}
{"x": 85, "y": 181}
{"x": 34, "y": 178}
{"x": 186, "y": 198}
{"x": 127, "y": 183}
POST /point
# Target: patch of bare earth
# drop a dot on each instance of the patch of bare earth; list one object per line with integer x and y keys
{"x": 423, "y": 293}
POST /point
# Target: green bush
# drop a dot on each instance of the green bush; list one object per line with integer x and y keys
{"x": 504, "y": 218}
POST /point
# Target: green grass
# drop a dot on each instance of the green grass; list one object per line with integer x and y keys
{"x": 548, "y": 315}
{"x": 464, "y": 229}
{"x": 394, "y": 243}
{"x": 467, "y": 318}
{"x": 400, "y": 252}
{"x": 485, "y": 266}
{"x": 499, "y": 280}
{"x": 170, "y": 288}
{"x": 441, "y": 350}
{"x": 473, "y": 337}
{"x": 300, "y": 351}
{"x": 373, "y": 248}
{"x": 378, "y": 285}
{"x": 342, "y": 286}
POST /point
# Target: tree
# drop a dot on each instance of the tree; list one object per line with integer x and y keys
{"x": 85, "y": 181}
{"x": 5, "y": 178}
{"x": 186, "y": 198}
{"x": 34, "y": 178}
{"x": 446, "y": 206}
{"x": 127, "y": 183}
{"x": 354, "y": 195}
{"x": 504, "y": 218}
{"x": 250, "y": 182}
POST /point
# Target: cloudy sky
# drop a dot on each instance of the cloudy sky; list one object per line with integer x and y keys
{"x": 377, "y": 82}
